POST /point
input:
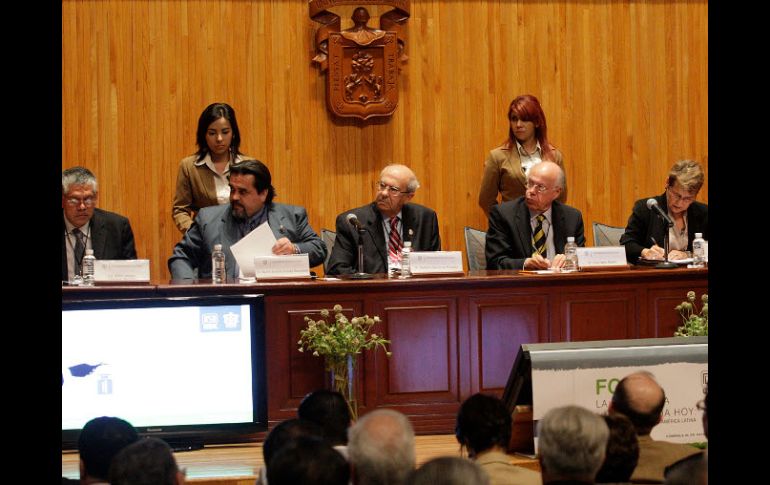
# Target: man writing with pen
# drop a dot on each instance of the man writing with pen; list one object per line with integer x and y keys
{"x": 531, "y": 231}
{"x": 645, "y": 231}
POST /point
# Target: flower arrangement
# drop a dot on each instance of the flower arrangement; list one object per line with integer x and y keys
{"x": 695, "y": 322}
{"x": 339, "y": 341}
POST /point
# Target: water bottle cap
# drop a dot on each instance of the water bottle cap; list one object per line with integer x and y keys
{"x": 570, "y": 239}
{"x": 89, "y": 252}
{"x": 217, "y": 247}
{"x": 698, "y": 235}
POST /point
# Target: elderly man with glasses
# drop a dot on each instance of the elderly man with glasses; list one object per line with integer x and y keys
{"x": 645, "y": 230}
{"x": 86, "y": 227}
{"x": 386, "y": 223}
{"x": 530, "y": 232}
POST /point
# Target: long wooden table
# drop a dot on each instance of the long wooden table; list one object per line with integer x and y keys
{"x": 451, "y": 336}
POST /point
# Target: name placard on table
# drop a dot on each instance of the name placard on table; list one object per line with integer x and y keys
{"x": 604, "y": 256}
{"x": 289, "y": 266}
{"x": 106, "y": 270}
{"x": 435, "y": 262}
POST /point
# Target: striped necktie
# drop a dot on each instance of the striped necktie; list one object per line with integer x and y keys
{"x": 78, "y": 251}
{"x": 394, "y": 241}
{"x": 539, "y": 237}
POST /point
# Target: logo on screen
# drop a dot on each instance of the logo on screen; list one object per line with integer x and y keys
{"x": 220, "y": 319}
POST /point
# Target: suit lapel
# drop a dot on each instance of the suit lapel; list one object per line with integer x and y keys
{"x": 98, "y": 236}
{"x": 518, "y": 172}
{"x": 408, "y": 223}
{"x": 374, "y": 226}
{"x": 230, "y": 236}
{"x": 558, "y": 226}
{"x": 523, "y": 228}
{"x": 277, "y": 222}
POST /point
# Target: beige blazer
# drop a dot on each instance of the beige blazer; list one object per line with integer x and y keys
{"x": 195, "y": 189}
{"x": 503, "y": 174}
{"x": 502, "y": 472}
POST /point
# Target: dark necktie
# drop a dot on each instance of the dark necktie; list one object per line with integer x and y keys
{"x": 394, "y": 241}
{"x": 539, "y": 237}
{"x": 79, "y": 250}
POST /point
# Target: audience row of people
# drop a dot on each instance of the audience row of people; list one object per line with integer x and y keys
{"x": 320, "y": 446}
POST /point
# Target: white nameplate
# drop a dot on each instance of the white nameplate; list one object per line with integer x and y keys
{"x": 122, "y": 270}
{"x": 289, "y": 266}
{"x": 430, "y": 262}
{"x": 602, "y": 256}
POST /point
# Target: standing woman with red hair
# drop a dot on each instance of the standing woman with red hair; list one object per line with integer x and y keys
{"x": 507, "y": 166}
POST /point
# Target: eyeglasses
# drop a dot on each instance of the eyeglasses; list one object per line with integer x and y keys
{"x": 392, "y": 189}
{"x": 75, "y": 202}
{"x": 679, "y": 198}
{"x": 539, "y": 188}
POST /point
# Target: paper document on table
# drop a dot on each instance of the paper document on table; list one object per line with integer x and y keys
{"x": 258, "y": 242}
{"x": 656, "y": 261}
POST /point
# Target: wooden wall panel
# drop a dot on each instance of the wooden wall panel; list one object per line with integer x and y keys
{"x": 624, "y": 86}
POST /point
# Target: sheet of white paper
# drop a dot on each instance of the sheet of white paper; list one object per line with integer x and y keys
{"x": 258, "y": 242}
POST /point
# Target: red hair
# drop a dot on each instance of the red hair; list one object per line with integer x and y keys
{"x": 527, "y": 108}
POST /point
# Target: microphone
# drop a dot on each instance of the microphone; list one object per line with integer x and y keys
{"x": 354, "y": 220}
{"x": 653, "y": 204}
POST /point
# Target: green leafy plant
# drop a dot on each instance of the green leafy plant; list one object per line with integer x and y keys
{"x": 695, "y": 322}
{"x": 339, "y": 341}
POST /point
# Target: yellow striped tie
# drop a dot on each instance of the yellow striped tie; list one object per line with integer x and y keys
{"x": 538, "y": 239}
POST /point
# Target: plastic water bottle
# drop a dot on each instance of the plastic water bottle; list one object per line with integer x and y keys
{"x": 218, "y": 272}
{"x": 570, "y": 255}
{"x": 89, "y": 261}
{"x": 405, "y": 252}
{"x": 698, "y": 251}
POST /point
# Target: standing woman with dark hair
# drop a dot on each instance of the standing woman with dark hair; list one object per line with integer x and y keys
{"x": 507, "y": 166}
{"x": 202, "y": 178}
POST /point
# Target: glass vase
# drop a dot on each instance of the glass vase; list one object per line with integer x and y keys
{"x": 342, "y": 378}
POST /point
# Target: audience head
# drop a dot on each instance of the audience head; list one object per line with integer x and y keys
{"x": 308, "y": 460}
{"x": 148, "y": 461}
{"x": 448, "y": 470}
{"x": 545, "y": 184}
{"x": 329, "y": 410}
{"x": 692, "y": 470}
{"x": 218, "y": 131}
{"x": 250, "y": 188}
{"x": 483, "y": 423}
{"x": 395, "y": 188}
{"x": 99, "y": 441}
{"x": 572, "y": 441}
{"x": 640, "y": 398}
{"x": 79, "y": 194}
{"x": 682, "y": 185}
{"x": 381, "y": 448}
{"x": 285, "y": 432}
{"x": 527, "y": 120}
{"x": 622, "y": 452}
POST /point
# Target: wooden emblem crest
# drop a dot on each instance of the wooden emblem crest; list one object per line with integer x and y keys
{"x": 362, "y": 63}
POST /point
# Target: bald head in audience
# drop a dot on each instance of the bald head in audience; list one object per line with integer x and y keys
{"x": 640, "y": 398}
{"x": 381, "y": 448}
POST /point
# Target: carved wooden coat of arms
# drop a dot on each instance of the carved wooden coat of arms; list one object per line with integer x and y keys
{"x": 361, "y": 63}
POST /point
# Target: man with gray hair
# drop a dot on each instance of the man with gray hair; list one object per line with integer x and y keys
{"x": 386, "y": 224}
{"x": 86, "y": 227}
{"x": 381, "y": 448}
{"x": 531, "y": 231}
{"x": 572, "y": 441}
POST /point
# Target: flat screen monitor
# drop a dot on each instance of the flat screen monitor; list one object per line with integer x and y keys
{"x": 190, "y": 371}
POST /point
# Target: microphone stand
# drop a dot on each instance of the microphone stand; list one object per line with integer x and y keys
{"x": 666, "y": 264}
{"x": 361, "y": 275}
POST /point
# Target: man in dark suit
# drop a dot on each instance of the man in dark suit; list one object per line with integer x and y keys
{"x": 86, "y": 227}
{"x": 640, "y": 398}
{"x": 387, "y": 223}
{"x": 531, "y": 231}
{"x": 645, "y": 230}
{"x": 251, "y": 204}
